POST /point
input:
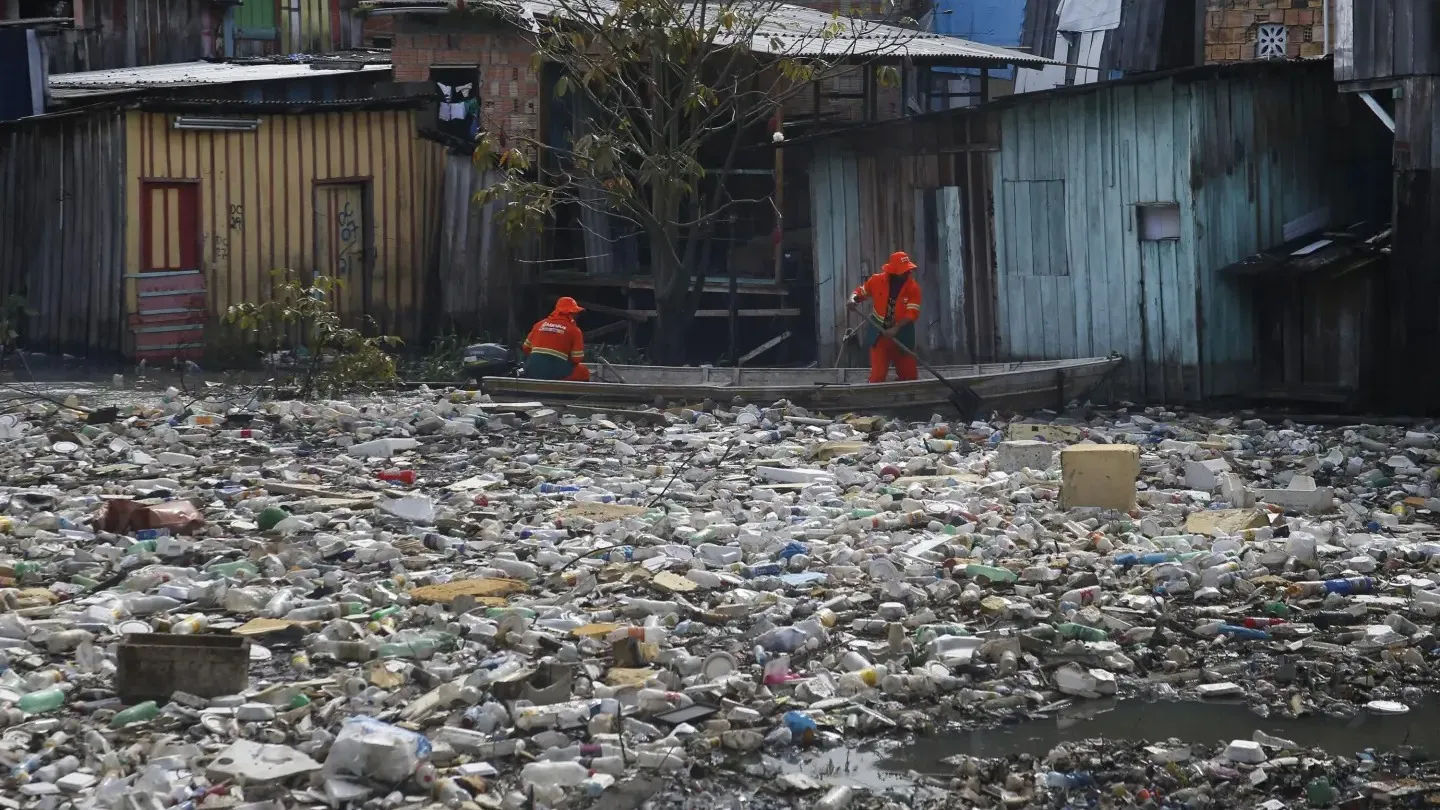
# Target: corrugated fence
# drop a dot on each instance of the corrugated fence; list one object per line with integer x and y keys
{"x": 352, "y": 192}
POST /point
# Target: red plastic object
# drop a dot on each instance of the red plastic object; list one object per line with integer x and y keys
{"x": 406, "y": 477}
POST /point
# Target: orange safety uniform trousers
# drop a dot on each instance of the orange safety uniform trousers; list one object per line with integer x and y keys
{"x": 885, "y": 353}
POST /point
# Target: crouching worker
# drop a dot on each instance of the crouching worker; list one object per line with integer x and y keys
{"x": 555, "y": 349}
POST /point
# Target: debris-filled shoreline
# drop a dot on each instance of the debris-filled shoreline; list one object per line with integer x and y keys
{"x": 426, "y": 597}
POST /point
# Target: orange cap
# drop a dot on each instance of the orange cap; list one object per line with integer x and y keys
{"x": 567, "y": 306}
{"x": 899, "y": 263}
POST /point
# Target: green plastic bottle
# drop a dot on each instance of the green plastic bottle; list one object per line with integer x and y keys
{"x": 45, "y": 700}
{"x": 991, "y": 572}
{"x": 1320, "y": 793}
{"x": 269, "y": 516}
{"x": 141, "y": 547}
{"x": 234, "y": 568}
{"x": 384, "y": 613}
{"x": 1278, "y": 609}
{"x": 502, "y": 612}
{"x": 422, "y": 647}
{"x": 25, "y": 569}
{"x": 1083, "y": 632}
{"x": 138, "y": 713}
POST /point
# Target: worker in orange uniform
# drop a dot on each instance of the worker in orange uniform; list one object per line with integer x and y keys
{"x": 555, "y": 349}
{"x": 896, "y": 300}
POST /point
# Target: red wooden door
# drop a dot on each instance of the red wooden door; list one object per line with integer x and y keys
{"x": 169, "y": 319}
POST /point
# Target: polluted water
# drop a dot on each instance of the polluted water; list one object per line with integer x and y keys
{"x": 431, "y": 599}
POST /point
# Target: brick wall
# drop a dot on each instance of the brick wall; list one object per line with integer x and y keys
{"x": 509, "y": 88}
{"x": 1232, "y": 27}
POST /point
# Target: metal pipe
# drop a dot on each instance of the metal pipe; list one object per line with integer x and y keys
{"x": 1325, "y": 23}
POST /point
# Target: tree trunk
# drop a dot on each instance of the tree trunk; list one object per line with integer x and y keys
{"x": 674, "y": 310}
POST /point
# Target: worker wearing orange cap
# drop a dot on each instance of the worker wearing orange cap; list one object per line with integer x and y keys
{"x": 555, "y": 349}
{"x": 896, "y": 300}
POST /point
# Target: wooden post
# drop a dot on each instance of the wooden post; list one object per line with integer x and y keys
{"x": 734, "y": 314}
{"x": 779, "y": 235}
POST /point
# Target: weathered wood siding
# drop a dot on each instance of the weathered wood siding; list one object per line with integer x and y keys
{"x": 478, "y": 272}
{"x": 1380, "y": 39}
{"x": 1417, "y": 124}
{"x": 258, "y": 193}
{"x": 132, "y": 33}
{"x": 1241, "y": 152}
{"x": 926, "y": 197}
{"x": 1071, "y": 269}
{"x": 62, "y": 234}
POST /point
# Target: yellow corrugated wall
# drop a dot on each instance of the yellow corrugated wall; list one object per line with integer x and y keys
{"x": 257, "y": 200}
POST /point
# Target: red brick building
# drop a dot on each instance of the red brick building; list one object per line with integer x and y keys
{"x": 1238, "y": 30}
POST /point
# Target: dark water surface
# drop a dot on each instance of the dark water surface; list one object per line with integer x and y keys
{"x": 1133, "y": 720}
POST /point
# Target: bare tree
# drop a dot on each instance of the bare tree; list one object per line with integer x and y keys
{"x": 669, "y": 87}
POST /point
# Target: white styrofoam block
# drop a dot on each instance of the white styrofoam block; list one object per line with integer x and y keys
{"x": 1013, "y": 456}
{"x": 1205, "y": 475}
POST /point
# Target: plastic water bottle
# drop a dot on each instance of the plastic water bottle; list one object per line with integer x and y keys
{"x": 1083, "y": 632}
{"x": 45, "y": 700}
{"x": 763, "y": 570}
{"x": 785, "y": 639}
{"x": 406, "y": 477}
{"x": 138, "y": 713}
{"x": 1080, "y": 596}
{"x": 992, "y": 573}
{"x": 547, "y": 488}
{"x": 836, "y": 798}
{"x": 1237, "y": 631}
{"x": 546, "y": 773}
{"x": 1350, "y": 585}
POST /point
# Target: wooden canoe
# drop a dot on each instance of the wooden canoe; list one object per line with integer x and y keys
{"x": 1019, "y": 386}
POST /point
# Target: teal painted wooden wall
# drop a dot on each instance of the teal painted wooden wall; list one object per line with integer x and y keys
{"x": 1241, "y": 154}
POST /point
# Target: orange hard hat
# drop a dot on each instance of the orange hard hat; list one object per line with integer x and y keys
{"x": 567, "y": 306}
{"x": 899, "y": 263}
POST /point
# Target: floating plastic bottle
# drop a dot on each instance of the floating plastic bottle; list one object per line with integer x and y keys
{"x": 45, "y": 700}
{"x": 138, "y": 713}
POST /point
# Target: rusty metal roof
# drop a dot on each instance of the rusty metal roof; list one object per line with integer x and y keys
{"x": 785, "y": 30}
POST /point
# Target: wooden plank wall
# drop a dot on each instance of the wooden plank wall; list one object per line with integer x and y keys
{"x": 1417, "y": 124}
{"x": 478, "y": 271}
{"x": 922, "y": 195}
{"x": 257, "y": 193}
{"x": 1241, "y": 154}
{"x": 1412, "y": 368}
{"x": 1378, "y": 39}
{"x": 1111, "y": 148}
{"x": 132, "y": 33}
{"x": 61, "y": 238}
{"x": 1265, "y": 152}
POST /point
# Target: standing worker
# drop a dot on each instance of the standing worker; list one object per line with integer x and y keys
{"x": 896, "y": 300}
{"x": 555, "y": 349}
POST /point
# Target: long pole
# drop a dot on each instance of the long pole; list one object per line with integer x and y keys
{"x": 780, "y": 198}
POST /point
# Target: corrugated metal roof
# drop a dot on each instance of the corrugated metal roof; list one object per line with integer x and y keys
{"x": 786, "y": 30}
{"x": 193, "y": 74}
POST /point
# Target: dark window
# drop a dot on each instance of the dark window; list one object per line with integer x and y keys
{"x": 1158, "y": 221}
{"x": 458, "y": 91}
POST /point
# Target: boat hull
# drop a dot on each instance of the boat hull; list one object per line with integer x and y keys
{"x": 1004, "y": 386}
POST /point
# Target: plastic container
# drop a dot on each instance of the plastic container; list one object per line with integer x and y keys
{"x": 45, "y": 700}
{"x": 138, "y": 713}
